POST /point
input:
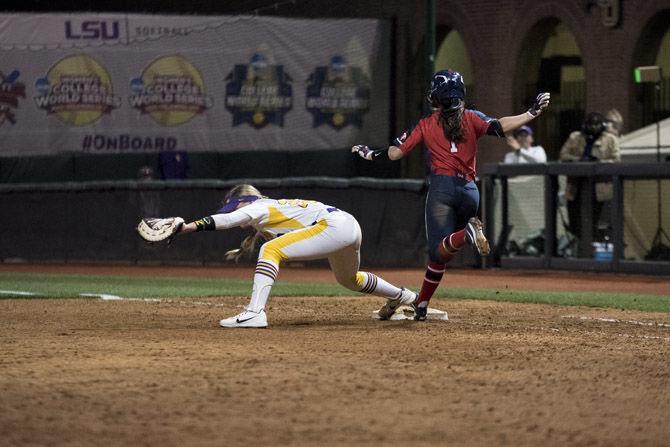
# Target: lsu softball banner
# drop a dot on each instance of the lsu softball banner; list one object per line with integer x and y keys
{"x": 105, "y": 83}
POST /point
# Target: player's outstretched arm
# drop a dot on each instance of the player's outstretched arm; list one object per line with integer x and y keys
{"x": 216, "y": 222}
{"x": 509, "y": 123}
{"x": 393, "y": 152}
{"x": 366, "y": 152}
{"x": 190, "y": 227}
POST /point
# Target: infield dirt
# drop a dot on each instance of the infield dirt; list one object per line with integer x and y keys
{"x": 89, "y": 372}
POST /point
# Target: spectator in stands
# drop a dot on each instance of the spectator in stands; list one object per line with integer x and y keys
{"x": 146, "y": 173}
{"x": 173, "y": 165}
{"x": 524, "y": 151}
{"x": 591, "y": 143}
{"x": 614, "y": 122}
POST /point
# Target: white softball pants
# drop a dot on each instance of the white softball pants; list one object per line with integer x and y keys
{"x": 336, "y": 237}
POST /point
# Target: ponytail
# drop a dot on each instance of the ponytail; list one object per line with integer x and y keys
{"x": 451, "y": 124}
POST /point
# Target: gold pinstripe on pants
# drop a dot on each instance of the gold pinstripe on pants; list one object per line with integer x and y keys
{"x": 273, "y": 250}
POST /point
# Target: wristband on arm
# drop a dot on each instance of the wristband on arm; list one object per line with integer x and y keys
{"x": 370, "y": 154}
{"x": 367, "y": 153}
{"x": 205, "y": 224}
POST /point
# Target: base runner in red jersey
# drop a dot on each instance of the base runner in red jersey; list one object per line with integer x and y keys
{"x": 450, "y": 134}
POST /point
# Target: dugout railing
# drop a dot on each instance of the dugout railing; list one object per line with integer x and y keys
{"x": 495, "y": 210}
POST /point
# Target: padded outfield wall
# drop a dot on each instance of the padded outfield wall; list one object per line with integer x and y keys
{"x": 95, "y": 221}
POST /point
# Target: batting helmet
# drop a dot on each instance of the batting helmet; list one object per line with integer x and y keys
{"x": 239, "y": 194}
{"x": 447, "y": 90}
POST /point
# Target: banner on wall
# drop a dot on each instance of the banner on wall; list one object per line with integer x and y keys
{"x": 105, "y": 83}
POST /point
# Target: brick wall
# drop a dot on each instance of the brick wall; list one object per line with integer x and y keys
{"x": 495, "y": 33}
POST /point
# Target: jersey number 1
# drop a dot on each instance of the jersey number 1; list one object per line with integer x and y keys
{"x": 453, "y": 147}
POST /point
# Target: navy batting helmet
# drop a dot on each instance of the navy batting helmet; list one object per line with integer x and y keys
{"x": 447, "y": 89}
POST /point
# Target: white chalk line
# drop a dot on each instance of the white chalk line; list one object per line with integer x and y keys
{"x": 110, "y": 297}
{"x": 650, "y": 337}
{"x": 102, "y": 296}
{"x": 553, "y": 329}
{"x": 616, "y": 320}
{"x": 107, "y": 297}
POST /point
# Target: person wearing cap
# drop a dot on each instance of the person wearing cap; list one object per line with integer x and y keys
{"x": 524, "y": 151}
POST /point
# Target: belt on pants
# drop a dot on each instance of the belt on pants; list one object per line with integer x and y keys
{"x": 453, "y": 173}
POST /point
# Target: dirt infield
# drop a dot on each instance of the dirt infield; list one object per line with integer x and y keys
{"x": 89, "y": 372}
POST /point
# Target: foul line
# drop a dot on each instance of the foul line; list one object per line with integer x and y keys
{"x": 16, "y": 292}
{"x": 106, "y": 297}
{"x": 615, "y": 320}
{"x": 567, "y": 331}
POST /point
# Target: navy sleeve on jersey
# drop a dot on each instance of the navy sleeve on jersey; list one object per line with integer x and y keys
{"x": 482, "y": 115}
{"x": 494, "y": 128}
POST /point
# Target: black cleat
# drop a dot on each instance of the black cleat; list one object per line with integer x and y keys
{"x": 420, "y": 313}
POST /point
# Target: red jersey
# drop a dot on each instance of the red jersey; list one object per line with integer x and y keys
{"x": 447, "y": 157}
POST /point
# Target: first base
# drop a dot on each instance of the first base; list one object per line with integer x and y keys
{"x": 407, "y": 313}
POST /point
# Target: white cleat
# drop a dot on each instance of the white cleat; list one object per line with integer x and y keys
{"x": 246, "y": 319}
{"x": 406, "y": 298}
{"x": 474, "y": 234}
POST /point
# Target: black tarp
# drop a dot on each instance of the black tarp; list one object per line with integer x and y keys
{"x": 95, "y": 221}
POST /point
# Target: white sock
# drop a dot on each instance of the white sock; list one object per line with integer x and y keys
{"x": 374, "y": 285}
{"x": 264, "y": 279}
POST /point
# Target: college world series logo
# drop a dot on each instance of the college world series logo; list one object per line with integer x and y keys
{"x": 338, "y": 95}
{"x": 171, "y": 90}
{"x": 78, "y": 90}
{"x": 258, "y": 93}
{"x": 10, "y": 92}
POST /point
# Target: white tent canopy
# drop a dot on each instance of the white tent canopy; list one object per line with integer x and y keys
{"x": 640, "y": 145}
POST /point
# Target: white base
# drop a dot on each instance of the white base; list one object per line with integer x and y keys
{"x": 407, "y": 313}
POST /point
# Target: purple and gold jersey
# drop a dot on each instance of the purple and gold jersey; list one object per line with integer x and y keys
{"x": 276, "y": 217}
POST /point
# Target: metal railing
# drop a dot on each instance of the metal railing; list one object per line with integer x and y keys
{"x": 587, "y": 173}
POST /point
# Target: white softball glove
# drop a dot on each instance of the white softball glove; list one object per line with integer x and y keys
{"x": 153, "y": 229}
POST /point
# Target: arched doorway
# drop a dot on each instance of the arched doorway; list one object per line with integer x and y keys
{"x": 663, "y": 61}
{"x": 452, "y": 54}
{"x": 653, "y": 48}
{"x": 550, "y": 60}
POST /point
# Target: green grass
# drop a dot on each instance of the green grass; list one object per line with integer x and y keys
{"x": 71, "y": 286}
{"x": 650, "y": 303}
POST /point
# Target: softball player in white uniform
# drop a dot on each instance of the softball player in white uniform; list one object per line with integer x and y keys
{"x": 297, "y": 230}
